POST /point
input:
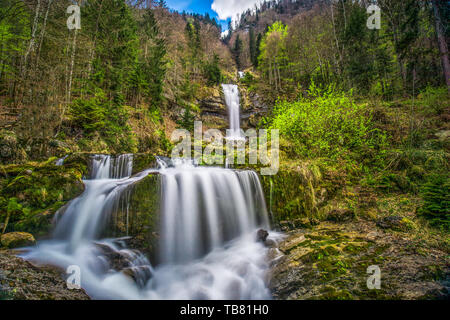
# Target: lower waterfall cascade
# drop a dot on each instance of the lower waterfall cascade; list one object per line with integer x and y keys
{"x": 208, "y": 247}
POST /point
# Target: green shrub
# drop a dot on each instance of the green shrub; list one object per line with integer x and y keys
{"x": 433, "y": 100}
{"x": 436, "y": 197}
{"x": 329, "y": 124}
{"x": 99, "y": 116}
{"x": 212, "y": 71}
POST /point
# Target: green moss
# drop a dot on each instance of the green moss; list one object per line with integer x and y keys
{"x": 33, "y": 192}
{"x": 142, "y": 161}
{"x": 331, "y": 293}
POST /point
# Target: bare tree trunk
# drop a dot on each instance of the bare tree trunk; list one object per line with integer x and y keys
{"x": 43, "y": 31}
{"x": 33, "y": 32}
{"x": 336, "y": 40}
{"x": 442, "y": 45}
{"x": 72, "y": 62}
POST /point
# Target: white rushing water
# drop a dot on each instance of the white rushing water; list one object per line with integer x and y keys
{"x": 231, "y": 93}
{"x": 208, "y": 247}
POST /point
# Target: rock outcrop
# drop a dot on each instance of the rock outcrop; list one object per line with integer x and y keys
{"x": 21, "y": 280}
{"x": 17, "y": 239}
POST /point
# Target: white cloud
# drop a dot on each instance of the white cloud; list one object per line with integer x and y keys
{"x": 230, "y": 8}
{"x": 224, "y": 34}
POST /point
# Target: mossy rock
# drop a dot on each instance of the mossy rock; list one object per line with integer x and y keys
{"x": 143, "y": 161}
{"x": 341, "y": 215}
{"x": 31, "y": 193}
{"x": 331, "y": 293}
{"x": 396, "y": 223}
{"x": 10, "y": 149}
{"x": 17, "y": 239}
{"x": 294, "y": 192}
{"x": 138, "y": 221}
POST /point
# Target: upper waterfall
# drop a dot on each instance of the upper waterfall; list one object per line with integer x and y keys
{"x": 231, "y": 93}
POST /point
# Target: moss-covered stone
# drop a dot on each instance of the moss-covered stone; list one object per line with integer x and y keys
{"x": 17, "y": 239}
{"x": 31, "y": 193}
{"x": 10, "y": 149}
{"x": 139, "y": 217}
{"x": 294, "y": 192}
{"x": 143, "y": 161}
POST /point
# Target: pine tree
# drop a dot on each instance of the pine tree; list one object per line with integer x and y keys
{"x": 237, "y": 51}
{"x": 154, "y": 63}
{"x": 252, "y": 45}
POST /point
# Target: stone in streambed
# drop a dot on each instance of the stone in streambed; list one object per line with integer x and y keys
{"x": 17, "y": 239}
{"x": 262, "y": 235}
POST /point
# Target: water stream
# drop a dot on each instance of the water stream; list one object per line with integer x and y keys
{"x": 232, "y": 101}
{"x": 207, "y": 235}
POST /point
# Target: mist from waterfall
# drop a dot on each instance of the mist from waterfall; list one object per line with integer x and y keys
{"x": 207, "y": 250}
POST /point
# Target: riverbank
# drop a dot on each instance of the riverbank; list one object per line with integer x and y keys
{"x": 21, "y": 280}
{"x": 330, "y": 261}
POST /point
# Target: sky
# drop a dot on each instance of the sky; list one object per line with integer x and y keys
{"x": 222, "y": 10}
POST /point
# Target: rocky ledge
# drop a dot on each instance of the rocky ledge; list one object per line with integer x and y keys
{"x": 21, "y": 280}
{"x": 330, "y": 261}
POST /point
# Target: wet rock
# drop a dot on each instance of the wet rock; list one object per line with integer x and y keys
{"x": 129, "y": 262}
{"x": 270, "y": 243}
{"x": 17, "y": 239}
{"x": 299, "y": 223}
{"x": 261, "y": 235}
{"x": 286, "y": 226}
{"x": 140, "y": 274}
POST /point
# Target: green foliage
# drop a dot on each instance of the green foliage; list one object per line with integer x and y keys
{"x": 100, "y": 116}
{"x": 187, "y": 121}
{"x": 13, "y": 35}
{"x": 212, "y": 71}
{"x": 32, "y": 192}
{"x": 148, "y": 76}
{"x": 433, "y": 100}
{"x": 237, "y": 51}
{"x": 273, "y": 59}
{"x": 248, "y": 79}
{"x": 116, "y": 46}
{"x": 328, "y": 124}
{"x": 436, "y": 197}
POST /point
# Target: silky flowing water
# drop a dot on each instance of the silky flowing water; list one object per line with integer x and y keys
{"x": 207, "y": 235}
{"x": 232, "y": 100}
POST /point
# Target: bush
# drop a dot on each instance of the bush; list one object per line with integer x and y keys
{"x": 212, "y": 71}
{"x": 98, "y": 116}
{"x": 434, "y": 100}
{"x": 436, "y": 197}
{"x": 328, "y": 124}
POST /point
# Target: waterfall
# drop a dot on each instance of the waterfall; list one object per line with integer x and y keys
{"x": 217, "y": 204}
{"x": 108, "y": 167}
{"x": 231, "y": 93}
{"x": 60, "y": 161}
{"x": 207, "y": 247}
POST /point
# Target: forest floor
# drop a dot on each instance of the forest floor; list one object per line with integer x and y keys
{"x": 330, "y": 260}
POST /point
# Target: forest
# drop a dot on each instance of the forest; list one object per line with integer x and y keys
{"x": 363, "y": 113}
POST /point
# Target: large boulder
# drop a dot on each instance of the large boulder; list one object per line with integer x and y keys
{"x": 17, "y": 239}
